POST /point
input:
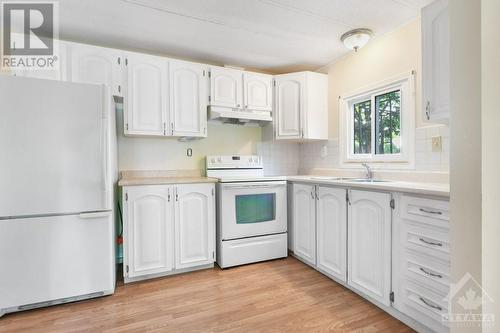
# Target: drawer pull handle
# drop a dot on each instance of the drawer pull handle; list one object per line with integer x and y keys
{"x": 430, "y": 243}
{"x": 437, "y": 307}
{"x": 431, "y": 211}
{"x": 430, "y": 273}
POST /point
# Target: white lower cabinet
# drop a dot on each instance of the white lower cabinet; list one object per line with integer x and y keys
{"x": 167, "y": 228}
{"x": 369, "y": 244}
{"x": 148, "y": 230}
{"x": 421, "y": 259}
{"x": 194, "y": 226}
{"x": 332, "y": 231}
{"x": 304, "y": 222}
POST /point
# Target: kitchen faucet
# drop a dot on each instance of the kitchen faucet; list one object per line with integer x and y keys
{"x": 369, "y": 173}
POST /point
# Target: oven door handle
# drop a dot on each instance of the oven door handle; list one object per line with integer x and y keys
{"x": 244, "y": 187}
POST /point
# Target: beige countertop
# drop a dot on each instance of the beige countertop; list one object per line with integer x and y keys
{"x": 162, "y": 177}
{"x": 432, "y": 189}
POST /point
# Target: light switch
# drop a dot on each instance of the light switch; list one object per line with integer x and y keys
{"x": 437, "y": 145}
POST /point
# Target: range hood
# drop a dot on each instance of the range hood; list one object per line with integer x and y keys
{"x": 238, "y": 116}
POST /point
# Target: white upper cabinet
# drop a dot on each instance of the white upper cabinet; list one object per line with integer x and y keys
{"x": 331, "y": 232}
{"x": 188, "y": 99}
{"x": 369, "y": 244}
{"x": 148, "y": 230}
{"x": 226, "y": 87}
{"x": 92, "y": 64}
{"x": 289, "y": 94}
{"x": 436, "y": 62}
{"x": 257, "y": 91}
{"x": 59, "y": 72}
{"x": 146, "y": 105}
{"x": 301, "y": 106}
{"x": 304, "y": 222}
{"x": 194, "y": 225}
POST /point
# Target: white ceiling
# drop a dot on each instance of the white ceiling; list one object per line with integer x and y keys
{"x": 270, "y": 35}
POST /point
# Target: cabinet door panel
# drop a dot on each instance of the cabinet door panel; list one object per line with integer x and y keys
{"x": 257, "y": 91}
{"x": 188, "y": 98}
{"x": 289, "y": 104}
{"x": 369, "y": 230}
{"x": 332, "y": 231}
{"x": 58, "y": 73}
{"x": 147, "y": 91}
{"x": 149, "y": 230}
{"x": 436, "y": 62}
{"x": 226, "y": 87}
{"x": 304, "y": 222}
{"x": 194, "y": 225}
{"x": 98, "y": 65}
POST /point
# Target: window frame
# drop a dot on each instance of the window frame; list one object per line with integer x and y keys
{"x": 405, "y": 158}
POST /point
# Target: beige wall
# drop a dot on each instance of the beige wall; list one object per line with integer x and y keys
{"x": 390, "y": 55}
{"x": 465, "y": 171}
{"x": 149, "y": 153}
{"x": 490, "y": 86}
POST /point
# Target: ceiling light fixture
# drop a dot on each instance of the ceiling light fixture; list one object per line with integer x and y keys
{"x": 357, "y": 38}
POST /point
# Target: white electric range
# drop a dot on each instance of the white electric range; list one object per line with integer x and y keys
{"x": 251, "y": 210}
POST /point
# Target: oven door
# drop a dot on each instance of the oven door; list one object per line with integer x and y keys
{"x": 252, "y": 209}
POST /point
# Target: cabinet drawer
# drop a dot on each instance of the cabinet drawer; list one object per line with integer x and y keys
{"x": 426, "y": 241}
{"x": 425, "y": 211}
{"x": 425, "y": 306}
{"x": 427, "y": 271}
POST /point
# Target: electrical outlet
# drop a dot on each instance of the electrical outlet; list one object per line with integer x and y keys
{"x": 437, "y": 145}
{"x": 189, "y": 152}
{"x": 324, "y": 151}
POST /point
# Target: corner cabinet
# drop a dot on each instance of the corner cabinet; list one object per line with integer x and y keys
{"x": 369, "y": 244}
{"x": 304, "y": 222}
{"x": 301, "y": 106}
{"x": 167, "y": 229}
{"x": 436, "y": 62}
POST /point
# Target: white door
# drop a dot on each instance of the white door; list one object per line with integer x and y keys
{"x": 332, "y": 231}
{"x": 148, "y": 230}
{"x": 99, "y": 65}
{"x": 304, "y": 222}
{"x": 436, "y": 61}
{"x": 257, "y": 91}
{"x": 194, "y": 225}
{"x": 369, "y": 244}
{"x": 289, "y": 97}
{"x": 146, "y": 101}
{"x": 188, "y": 99}
{"x": 226, "y": 87}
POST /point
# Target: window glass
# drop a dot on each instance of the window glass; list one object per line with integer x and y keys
{"x": 362, "y": 127}
{"x": 388, "y": 123}
{"x": 255, "y": 208}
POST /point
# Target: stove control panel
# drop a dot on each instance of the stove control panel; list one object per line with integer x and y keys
{"x": 234, "y": 162}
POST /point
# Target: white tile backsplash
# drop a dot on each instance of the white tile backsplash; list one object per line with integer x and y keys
{"x": 282, "y": 158}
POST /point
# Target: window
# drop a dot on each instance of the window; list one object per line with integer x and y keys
{"x": 379, "y": 123}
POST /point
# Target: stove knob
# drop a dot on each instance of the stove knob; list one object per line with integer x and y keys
{"x": 256, "y": 159}
{"x": 219, "y": 159}
{"x": 212, "y": 160}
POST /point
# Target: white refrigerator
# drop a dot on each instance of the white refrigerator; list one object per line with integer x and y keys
{"x": 57, "y": 168}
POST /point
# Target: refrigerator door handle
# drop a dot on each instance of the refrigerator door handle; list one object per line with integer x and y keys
{"x": 94, "y": 215}
{"x": 105, "y": 139}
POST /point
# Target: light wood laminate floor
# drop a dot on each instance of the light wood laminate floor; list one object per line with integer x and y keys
{"x": 276, "y": 296}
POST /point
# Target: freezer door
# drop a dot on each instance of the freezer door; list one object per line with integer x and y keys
{"x": 53, "y": 258}
{"x": 54, "y": 144}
